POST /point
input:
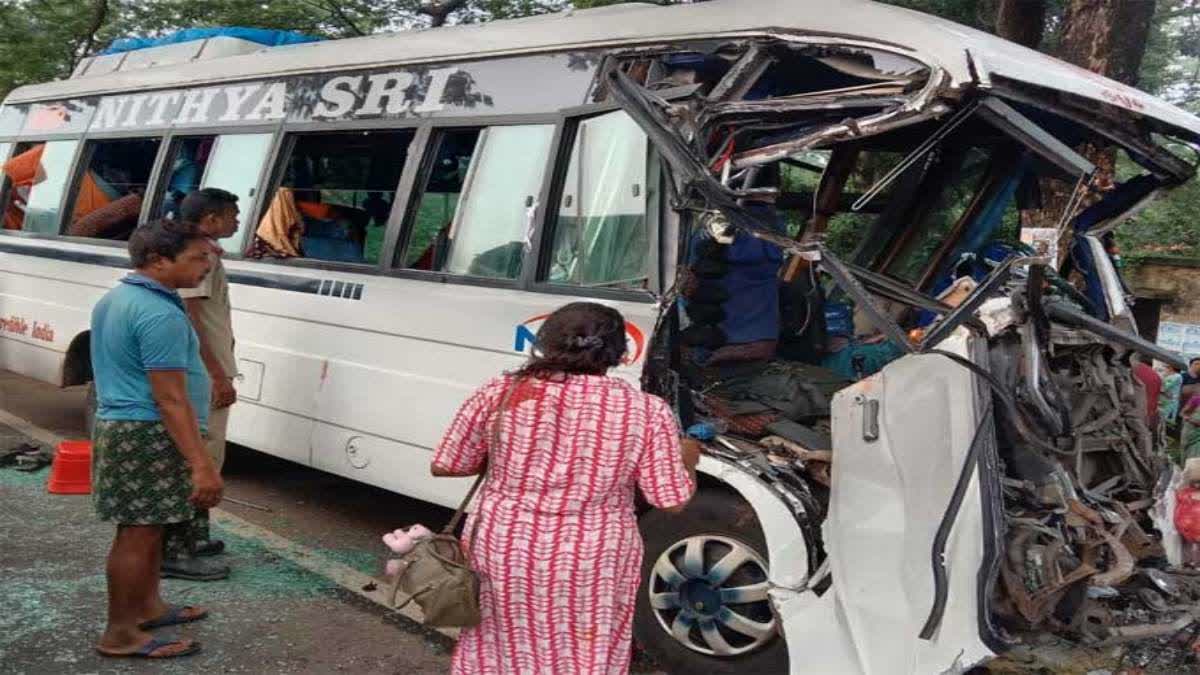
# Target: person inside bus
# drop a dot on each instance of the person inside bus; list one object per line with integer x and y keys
{"x": 114, "y": 220}
{"x": 331, "y": 231}
{"x": 299, "y": 224}
{"x": 564, "y": 447}
{"x": 186, "y": 173}
{"x": 215, "y": 212}
{"x": 278, "y": 233}
{"x": 150, "y": 469}
{"x": 23, "y": 172}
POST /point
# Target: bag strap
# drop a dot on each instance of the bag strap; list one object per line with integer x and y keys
{"x": 462, "y": 508}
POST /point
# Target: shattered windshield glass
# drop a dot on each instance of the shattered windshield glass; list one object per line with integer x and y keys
{"x": 939, "y": 211}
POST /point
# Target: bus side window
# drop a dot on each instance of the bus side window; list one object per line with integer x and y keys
{"x": 109, "y": 198}
{"x": 600, "y": 236}
{"x": 6, "y": 185}
{"x": 473, "y": 216}
{"x": 36, "y": 175}
{"x": 334, "y": 197}
{"x": 189, "y": 156}
{"x": 236, "y": 165}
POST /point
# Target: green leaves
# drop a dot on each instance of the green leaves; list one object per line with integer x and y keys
{"x": 44, "y": 39}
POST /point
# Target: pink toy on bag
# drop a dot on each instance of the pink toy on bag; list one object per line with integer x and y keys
{"x": 402, "y": 541}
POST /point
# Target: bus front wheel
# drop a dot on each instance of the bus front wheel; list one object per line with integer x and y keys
{"x": 702, "y": 606}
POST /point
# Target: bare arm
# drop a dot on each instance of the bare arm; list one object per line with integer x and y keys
{"x": 169, "y": 388}
{"x": 1189, "y": 414}
{"x": 690, "y": 450}
{"x": 444, "y": 472}
{"x": 224, "y": 395}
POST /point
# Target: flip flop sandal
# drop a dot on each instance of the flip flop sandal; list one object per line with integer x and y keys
{"x": 34, "y": 460}
{"x": 174, "y": 616}
{"x": 147, "y": 650}
{"x": 10, "y": 455}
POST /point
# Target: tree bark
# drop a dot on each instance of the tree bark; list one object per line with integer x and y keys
{"x": 439, "y": 11}
{"x": 1106, "y": 37}
{"x": 1021, "y": 21}
{"x": 87, "y": 41}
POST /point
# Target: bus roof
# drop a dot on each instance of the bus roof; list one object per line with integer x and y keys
{"x": 964, "y": 54}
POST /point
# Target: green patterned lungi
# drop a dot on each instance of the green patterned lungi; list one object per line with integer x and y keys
{"x": 139, "y": 477}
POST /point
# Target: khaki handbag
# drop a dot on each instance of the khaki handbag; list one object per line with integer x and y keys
{"x": 435, "y": 574}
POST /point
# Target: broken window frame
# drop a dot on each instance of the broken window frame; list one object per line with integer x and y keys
{"x": 691, "y": 176}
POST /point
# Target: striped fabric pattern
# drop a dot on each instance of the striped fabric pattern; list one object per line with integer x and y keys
{"x": 554, "y": 536}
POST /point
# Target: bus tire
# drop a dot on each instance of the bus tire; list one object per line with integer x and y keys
{"x": 90, "y": 403}
{"x": 715, "y": 524}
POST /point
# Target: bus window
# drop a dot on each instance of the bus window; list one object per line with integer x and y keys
{"x": 600, "y": 237}
{"x": 108, "y": 200}
{"x": 36, "y": 176}
{"x": 473, "y": 216}
{"x": 434, "y": 215}
{"x": 189, "y": 156}
{"x": 236, "y": 165}
{"x": 6, "y": 187}
{"x": 334, "y": 197}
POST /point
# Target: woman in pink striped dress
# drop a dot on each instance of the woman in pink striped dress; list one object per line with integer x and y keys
{"x": 554, "y": 536}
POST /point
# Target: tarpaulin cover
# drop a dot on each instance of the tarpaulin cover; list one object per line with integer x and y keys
{"x": 269, "y": 38}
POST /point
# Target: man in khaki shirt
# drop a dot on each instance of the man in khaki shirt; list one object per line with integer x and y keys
{"x": 215, "y": 212}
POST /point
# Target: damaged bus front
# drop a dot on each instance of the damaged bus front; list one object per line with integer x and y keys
{"x": 936, "y": 426}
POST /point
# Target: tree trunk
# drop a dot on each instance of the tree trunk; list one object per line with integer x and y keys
{"x": 440, "y": 10}
{"x": 1021, "y": 21}
{"x": 1106, "y": 37}
{"x": 83, "y": 47}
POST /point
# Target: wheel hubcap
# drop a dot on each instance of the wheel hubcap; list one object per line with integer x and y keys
{"x": 709, "y": 593}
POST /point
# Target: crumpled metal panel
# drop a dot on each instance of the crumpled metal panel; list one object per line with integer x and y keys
{"x": 887, "y": 499}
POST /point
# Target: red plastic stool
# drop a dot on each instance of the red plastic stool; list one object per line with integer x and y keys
{"x": 71, "y": 473}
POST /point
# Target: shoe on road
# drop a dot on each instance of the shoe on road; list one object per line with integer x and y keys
{"x": 209, "y": 548}
{"x": 193, "y": 569}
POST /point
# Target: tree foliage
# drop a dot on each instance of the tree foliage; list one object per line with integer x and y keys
{"x": 43, "y": 40}
{"x": 1152, "y": 44}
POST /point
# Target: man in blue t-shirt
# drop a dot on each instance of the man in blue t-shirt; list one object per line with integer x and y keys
{"x": 149, "y": 464}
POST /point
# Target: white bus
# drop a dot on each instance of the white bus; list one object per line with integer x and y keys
{"x": 414, "y": 204}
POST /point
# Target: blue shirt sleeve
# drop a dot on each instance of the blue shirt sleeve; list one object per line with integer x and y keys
{"x": 163, "y": 340}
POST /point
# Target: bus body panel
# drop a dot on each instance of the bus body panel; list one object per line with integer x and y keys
{"x": 361, "y": 388}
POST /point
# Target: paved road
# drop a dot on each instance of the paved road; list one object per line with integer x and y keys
{"x": 299, "y": 600}
{"x": 273, "y": 615}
